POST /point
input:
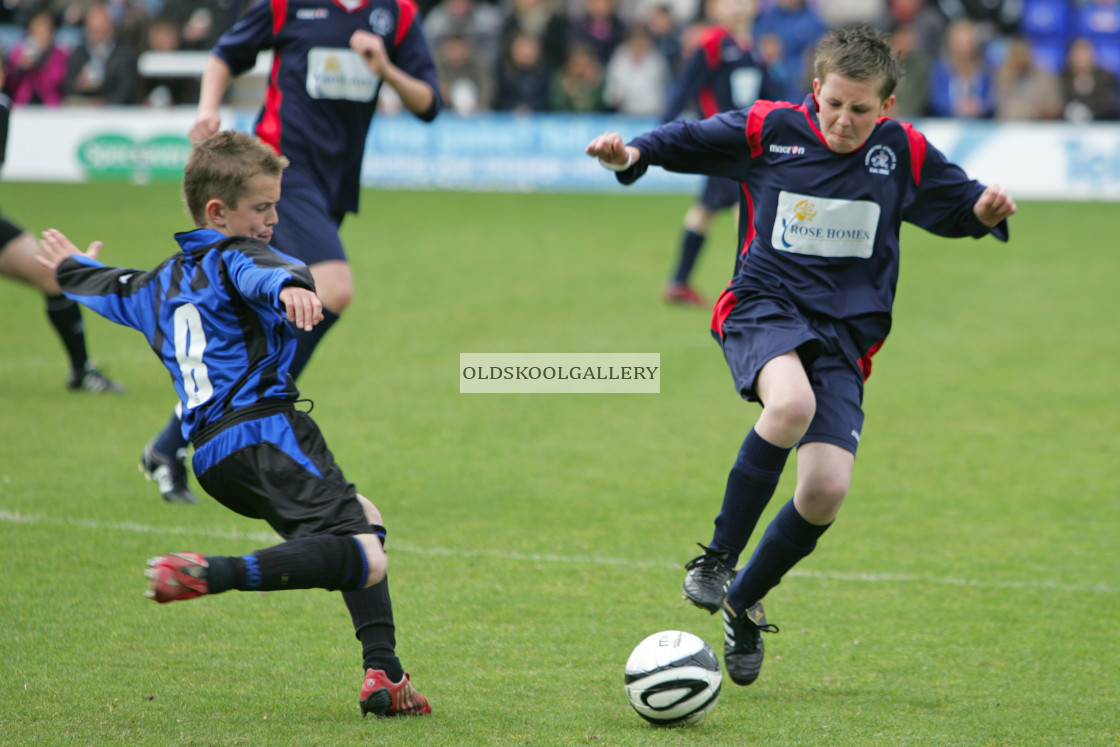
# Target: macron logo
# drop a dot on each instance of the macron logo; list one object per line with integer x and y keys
{"x": 788, "y": 150}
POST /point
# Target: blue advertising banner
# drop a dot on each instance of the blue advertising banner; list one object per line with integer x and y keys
{"x": 499, "y": 152}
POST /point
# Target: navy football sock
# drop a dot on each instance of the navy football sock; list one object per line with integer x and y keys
{"x": 322, "y": 562}
{"x": 787, "y": 540}
{"x": 691, "y": 244}
{"x": 66, "y": 318}
{"x": 171, "y": 439}
{"x": 750, "y": 486}
{"x": 306, "y": 342}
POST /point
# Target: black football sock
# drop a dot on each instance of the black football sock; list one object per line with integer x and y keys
{"x": 750, "y": 486}
{"x": 372, "y": 614}
{"x": 66, "y": 318}
{"x": 322, "y": 562}
{"x": 787, "y": 540}
{"x": 691, "y": 244}
{"x": 371, "y": 611}
{"x": 170, "y": 440}
{"x": 306, "y": 342}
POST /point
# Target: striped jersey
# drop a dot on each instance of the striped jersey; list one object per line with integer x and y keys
{"x": 212, "y": 314}
{"x": 321, "y": 95}
{"x": 818, "y": 227}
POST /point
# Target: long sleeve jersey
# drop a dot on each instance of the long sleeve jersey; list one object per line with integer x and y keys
{"x": 212, "y": 314}
{"x": 819, "y": 227}
{"x": 321, "y": 95}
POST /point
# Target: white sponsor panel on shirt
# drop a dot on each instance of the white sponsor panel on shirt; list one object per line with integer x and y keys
{"x": 823, "y": 227}
{"x": 334, "y": 73}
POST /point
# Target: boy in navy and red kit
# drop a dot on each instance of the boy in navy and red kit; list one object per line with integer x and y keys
{"x": 220, "y": 315}
{"x": 330, "y": 60}
{"x": 827, "y": 185}
{"x": 723, "y": 74}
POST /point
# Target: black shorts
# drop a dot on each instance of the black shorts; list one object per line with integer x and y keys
{"x": 9, "y": 232}
{"x": 759, "y": 328}
{"x": 278, "y": 468}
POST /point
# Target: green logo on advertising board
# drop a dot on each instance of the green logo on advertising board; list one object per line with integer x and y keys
{"x": 121, "y": 158}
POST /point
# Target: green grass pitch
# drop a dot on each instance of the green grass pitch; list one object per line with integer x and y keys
{"x": 969, "y": 593}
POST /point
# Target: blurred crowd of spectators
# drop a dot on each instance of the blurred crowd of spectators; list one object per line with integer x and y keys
{"x": 1002, "y": 59}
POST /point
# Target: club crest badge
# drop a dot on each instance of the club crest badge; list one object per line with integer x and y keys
{"x": 381, "y": 22}
{"x": 880, "y": 160}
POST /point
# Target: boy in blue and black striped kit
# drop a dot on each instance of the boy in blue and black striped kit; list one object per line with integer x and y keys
{"x": 220, "y": 315}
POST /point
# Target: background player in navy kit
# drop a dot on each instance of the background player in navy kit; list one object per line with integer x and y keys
{"x": 721, "y": 75}
{"x": 827, "y": 185}
{"x": 329, "y": 64}
{"x": 220, "y": 315}
{"x": 17, "y": 261}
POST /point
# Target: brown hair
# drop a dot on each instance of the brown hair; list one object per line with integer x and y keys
{"x": 221, "y": 166}
{"x": 859, "y": 53}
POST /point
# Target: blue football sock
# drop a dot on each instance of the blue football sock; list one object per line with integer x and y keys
{"x": 750, "y": 486}
{"x": 787, "y": 540}
{"x": 306, "y": 342}
{"x": 171, "y": 439}
{"x": 691, "y": 244}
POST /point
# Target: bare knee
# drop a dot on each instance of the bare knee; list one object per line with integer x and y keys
{"x": 698, "y": 219}
{"x": 786, "y": 417}
{"x": 376, "y": 559}
{"x": 373, "y": 516}
{"x": 819, "y": 500}
{"x": 334, "y": 284}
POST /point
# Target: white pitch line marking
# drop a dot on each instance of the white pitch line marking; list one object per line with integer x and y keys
{"x": 268, "y": 537}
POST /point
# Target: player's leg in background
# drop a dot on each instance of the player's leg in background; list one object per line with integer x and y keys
{"x": 308, "y": 231}
{"x": 718, "y": 194}
{"x": 695, "y": 232}
{"x": 164, "y": 461}
{"x": 334, "y": 284}
{"x": 17, "y": 260}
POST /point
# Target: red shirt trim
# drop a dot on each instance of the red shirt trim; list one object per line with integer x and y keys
{"x": 404, "y": 23}
{"x": 279, "y": 15}
{"x": 755, "y": 117}
{"x": 269, "y": 127}
{"x": 917, "y": 151}
{"x": 724, "y": 304}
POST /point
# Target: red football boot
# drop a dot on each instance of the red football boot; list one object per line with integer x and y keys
{"x": 180, "y": 575}
{"x": 384, "y": 698}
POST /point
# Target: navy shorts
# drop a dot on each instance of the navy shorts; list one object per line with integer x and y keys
{"x": 278, "y": 468}
{"x": 9, "y": 232}
{"x": 719, "y": 193}
{"x": 760, "y": 328}
{"x": 307, "y": 230}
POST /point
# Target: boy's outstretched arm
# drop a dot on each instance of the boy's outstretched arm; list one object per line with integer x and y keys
{"x": 994, "y": 205}
{"x": 304, "y": 308}
{"x": 610, "y": 149}
{"x": 55, "y": 247}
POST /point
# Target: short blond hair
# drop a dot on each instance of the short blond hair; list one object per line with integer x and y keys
{"x": 859, "y": 53}
{"x": 221, "y": 166}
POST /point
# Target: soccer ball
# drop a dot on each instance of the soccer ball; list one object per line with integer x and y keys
{"x": 673, "y": 678}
